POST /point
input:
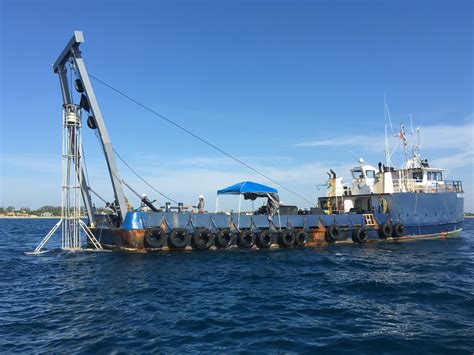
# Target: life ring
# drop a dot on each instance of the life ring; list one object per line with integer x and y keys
{"x": 202, "y": 239}
{"x": 264, "y": 239}
{"x": 398, "y": 230}
{"x": 385, "y": 230}
{"x": 224, "y": 239}
{"x": 155, "y": 238}
{"x": 178, "y": 239}
{"x": 301, "y": 237}
{"x": 286, "y": 238}
{"x": 333, "y": 233}
{"x": 360, "y": 235}
{"x": 246, "y": 239}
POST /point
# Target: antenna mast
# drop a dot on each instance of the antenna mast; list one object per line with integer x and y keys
{"x": 388, "y": 161}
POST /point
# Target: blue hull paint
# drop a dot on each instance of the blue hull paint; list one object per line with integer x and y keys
{"x": 420, "y": 213}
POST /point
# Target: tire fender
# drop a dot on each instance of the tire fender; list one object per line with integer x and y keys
{"x": 178, "y": 239}
{"x": 360, "y": 235}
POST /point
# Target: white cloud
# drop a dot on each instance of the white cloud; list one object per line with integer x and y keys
{"x": 434, "y": 140}
{"x": 362, "y": 141}
{"x": 183, "y": 179}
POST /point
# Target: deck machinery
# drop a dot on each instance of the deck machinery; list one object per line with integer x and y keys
{"x": 381, "y": 204}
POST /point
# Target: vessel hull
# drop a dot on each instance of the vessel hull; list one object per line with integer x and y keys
{"x": 423, "y": 216}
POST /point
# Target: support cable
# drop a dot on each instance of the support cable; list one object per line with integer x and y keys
{"x": 138, "y": 175}
{"x": 100, "y": 197}
{"x": 199, "y": 138}
{"x": 142, "y": 179}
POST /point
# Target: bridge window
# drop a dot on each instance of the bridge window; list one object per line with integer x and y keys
{"x": 370, "y": 174}
{"x": 435, "y": 176}
{"x": 357, "y": 174}
{"x": 418, "y": 176}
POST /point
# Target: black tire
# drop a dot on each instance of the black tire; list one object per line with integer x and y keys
{"x": 301, "y": 237}
{"x": 155, "y": 238}
{"x": 225, "y": 239}
{"x": 385, "y": 230}
{"x": 91, "y": 123}
{"x": 264, "y": 239}
{"x": 333, "y": 233}
{"x": 398, "y": 230}
{"x": 246, "y": 239}
{"x": 78, "y": 85}
{"x": 360, "y": 235}
{"x": 178, "y": 239}
{"x": 286, "y": 238}
{"x": 202, "y": 239}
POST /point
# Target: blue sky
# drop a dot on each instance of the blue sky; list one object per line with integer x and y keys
{"x": 292, "y": 88}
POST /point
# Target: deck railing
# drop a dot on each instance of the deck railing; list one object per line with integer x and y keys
{"x": 409, "y": 185}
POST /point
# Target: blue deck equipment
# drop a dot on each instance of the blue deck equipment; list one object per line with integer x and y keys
{"x": 250, "y": 190}
{"x": 248, "y": 187}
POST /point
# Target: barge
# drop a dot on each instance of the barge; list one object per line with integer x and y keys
{"x": 380, "y": 204}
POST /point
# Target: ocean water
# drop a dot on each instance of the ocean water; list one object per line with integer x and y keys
{"x": 385, "y": 298}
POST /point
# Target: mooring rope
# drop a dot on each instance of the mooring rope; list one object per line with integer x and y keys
{"x": 199, "y": 138}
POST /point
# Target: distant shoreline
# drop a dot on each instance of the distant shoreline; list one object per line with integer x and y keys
{"x": 57, "y": 217}
{"x": 29, "y": 217}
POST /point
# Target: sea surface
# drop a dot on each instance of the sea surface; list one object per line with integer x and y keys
{"x": 385, "y": 298}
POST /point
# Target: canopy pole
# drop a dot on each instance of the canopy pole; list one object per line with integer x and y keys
{"x": 217, "y": 203}
{"x": 238, "y": 217}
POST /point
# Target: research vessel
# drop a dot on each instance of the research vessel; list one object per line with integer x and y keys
{"x": 380, "y": 204}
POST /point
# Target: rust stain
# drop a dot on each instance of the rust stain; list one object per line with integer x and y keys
{"x": 134, "y": 239}
{"x": 316, "y": 237}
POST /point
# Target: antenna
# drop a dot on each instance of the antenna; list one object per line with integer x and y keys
{"x": 386, "y": 114}
{"x": 418, "y": 134}
{"x": 387, "y": 154}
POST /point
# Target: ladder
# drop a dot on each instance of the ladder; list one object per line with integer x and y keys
{"x": 369, "y": 219}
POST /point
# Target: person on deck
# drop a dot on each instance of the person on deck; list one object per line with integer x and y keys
{"x": 200, "y": 205}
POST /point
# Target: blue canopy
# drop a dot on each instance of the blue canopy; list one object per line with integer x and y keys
{"x": 247, "y": 187}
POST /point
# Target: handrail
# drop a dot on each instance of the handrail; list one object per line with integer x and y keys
{"x": 409, "y": 185}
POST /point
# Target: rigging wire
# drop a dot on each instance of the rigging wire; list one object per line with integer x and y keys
{"x": 137, "y": 174}
{"x": 142, "y": 179}
{"x": 198, "y": 138}
{"x": 100, "y": 197}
